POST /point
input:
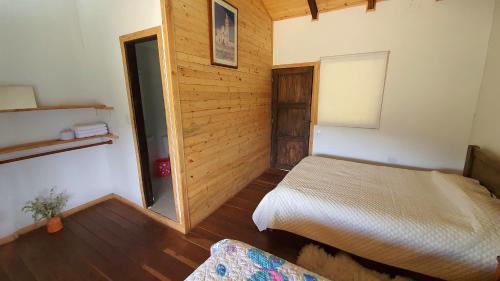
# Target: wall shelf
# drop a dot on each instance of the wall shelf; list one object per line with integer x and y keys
{"x": 55, "y": 142}
{"x": 60, "y": 107}
{"x": 47, "y": 143}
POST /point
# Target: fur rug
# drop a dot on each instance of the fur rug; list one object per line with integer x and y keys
{"x": 340, "y": 267}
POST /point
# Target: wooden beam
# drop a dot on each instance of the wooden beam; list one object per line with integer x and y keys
{"x": 313, "y": 8}
{"x": 371, "y": 5}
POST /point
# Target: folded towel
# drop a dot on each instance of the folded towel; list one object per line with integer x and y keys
{"x": 90, "y": 127}
{"x": 91, "y": 134}
{"x": 91, "y": 130}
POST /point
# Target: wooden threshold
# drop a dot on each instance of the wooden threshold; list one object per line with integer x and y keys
{"x": 157, "y": 217}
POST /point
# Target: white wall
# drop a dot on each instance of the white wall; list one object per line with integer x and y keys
{"x": 486, "y": 132}
{"x": 69, "y": 50}
{"x": 102, "y": 23}
{"x": 7, "y": 187}
{"x": 41, "y": 46}
{"x": 438, "y": 51}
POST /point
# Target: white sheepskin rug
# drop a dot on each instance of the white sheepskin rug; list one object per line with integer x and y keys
{"x": 340, "y": 267}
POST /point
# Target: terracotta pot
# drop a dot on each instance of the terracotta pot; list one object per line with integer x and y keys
{"x": 54, "y": 225}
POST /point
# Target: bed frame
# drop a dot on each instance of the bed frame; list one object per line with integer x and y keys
{"x": 485, "y": 168}
{"x": 498, "y": 269}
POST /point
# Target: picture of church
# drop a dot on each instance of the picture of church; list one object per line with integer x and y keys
{"x": 224, "y": 31}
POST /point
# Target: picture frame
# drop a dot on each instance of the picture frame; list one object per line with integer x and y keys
{"x": 223, "y": 18}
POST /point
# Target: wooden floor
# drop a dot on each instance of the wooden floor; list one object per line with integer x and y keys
{"x": 112, "y": 241}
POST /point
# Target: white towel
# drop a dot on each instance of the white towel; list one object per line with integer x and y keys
{"x": 91, "y": 133}
{"x": 97, "y": 126}
{"x": 91, "y": 130}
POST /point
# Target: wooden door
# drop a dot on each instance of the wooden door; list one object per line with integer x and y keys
{"x": 291, "y": 115}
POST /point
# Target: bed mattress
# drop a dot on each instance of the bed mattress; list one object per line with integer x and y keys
{"x": 441, "y": 225}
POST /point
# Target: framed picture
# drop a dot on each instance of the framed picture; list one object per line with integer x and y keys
{"x": 223, "y": 33}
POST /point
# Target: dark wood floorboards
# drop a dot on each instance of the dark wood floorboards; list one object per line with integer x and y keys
{"x": 112, "y": 241}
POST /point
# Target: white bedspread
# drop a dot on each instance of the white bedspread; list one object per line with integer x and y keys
{"x": 441, "y": 225}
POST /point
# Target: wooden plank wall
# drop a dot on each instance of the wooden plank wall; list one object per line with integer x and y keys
{"x": 226, "y": 118}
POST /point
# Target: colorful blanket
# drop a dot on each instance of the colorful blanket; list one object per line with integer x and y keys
{"x": 234, "y": 260}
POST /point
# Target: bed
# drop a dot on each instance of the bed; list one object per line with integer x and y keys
{"x": 234, "y": 260}
{"x": 442, "y": 225}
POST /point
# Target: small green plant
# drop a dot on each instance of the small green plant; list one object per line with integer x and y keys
{"x": 46, "y": 207}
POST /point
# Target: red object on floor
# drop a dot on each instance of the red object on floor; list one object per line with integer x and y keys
{"x": 163, "y": 167}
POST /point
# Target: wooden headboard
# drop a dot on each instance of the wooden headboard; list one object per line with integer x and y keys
{"x": 498, "y": 269}
{"x": 484, "y": 167}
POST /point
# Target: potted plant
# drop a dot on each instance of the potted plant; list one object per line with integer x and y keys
{"x": 48, "y": 207}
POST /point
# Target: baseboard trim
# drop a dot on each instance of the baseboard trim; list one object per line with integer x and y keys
{"x": 69, "y": 212}
{"x": 163, "y": 220}
{"x": 88, "y": 205}
{"x": 8, "y": 238}
{"x": 37, "y": 225}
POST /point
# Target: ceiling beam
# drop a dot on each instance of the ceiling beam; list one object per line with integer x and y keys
{"x": 313, "y": 8}
{"x": 371, "y": 5}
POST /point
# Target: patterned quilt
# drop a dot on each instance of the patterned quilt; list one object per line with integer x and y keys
{"x": 234, "y": 260}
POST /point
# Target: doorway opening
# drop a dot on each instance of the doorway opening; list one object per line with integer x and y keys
{"x": 141, "y": 55}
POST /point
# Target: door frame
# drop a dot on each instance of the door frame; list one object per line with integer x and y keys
{"x": 170, "y": 107}
{"x": 314, "y": 99}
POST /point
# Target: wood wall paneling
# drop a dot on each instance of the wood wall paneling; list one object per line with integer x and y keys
{"x": 225, "y": 112}
{"x": 172, "y": 101}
